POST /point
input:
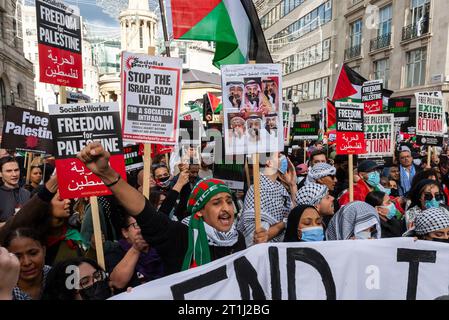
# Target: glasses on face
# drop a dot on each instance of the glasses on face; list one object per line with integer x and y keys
{"x": 429, "y": 196}
{"x": 134, "y": 225}
{"x": 87, "y": 281}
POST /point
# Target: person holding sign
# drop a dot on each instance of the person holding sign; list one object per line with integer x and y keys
{"x": 212, "y": 218}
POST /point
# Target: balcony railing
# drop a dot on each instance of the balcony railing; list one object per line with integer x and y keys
{"x": 353, "y": 52}
{"x": 380, "y": 42}
{"x": 415, "y": 30}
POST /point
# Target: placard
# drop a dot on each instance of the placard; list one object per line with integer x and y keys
{"x": 430, "y": 118}
{"x": 350, "y": 129}
{"x": 372, "y": 96}
{"x": 379, "y": 135}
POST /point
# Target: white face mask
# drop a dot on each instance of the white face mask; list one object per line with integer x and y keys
{"x": 363, "y": 235}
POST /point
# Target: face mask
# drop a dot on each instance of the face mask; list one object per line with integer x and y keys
{"x": 312, "y": 234}
{"x": 373, "y": 179}
{"x": 363, "y": 235}
{"x": 98, "y": 291}
{"x": 283, "y": 167}
{"x": 432, "y": 203}
{"x": 163, "y": 182}
{"x": 440, "y": 240}
{"x": 383, "y": 189}
{"x": 391, "y": 211}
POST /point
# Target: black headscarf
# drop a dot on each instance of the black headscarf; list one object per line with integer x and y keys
{"x": 415, "y": 191}
{"x": 291, "y": 233}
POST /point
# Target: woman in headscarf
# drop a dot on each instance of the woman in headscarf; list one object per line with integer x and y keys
{"x": 304, "y": 224}
{"x": 431, "y": 224}
{"x": 424, "y": 195}
{"x": 391, "y": 220}
{"x": 356, "y": 220}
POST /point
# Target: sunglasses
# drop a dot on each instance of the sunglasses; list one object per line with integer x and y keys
{"x": 429, "y": 197}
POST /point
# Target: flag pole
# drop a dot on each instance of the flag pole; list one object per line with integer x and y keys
{"x": 164, "y": 27}
{"x": 351, "y": 177}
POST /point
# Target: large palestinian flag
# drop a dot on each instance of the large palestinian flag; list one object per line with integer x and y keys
{"x": 349, "y": 85}
{"x": 232, "y": 24}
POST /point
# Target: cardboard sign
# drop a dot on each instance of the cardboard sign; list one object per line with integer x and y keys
{"x": 151, "y": 98}
{"x": 400, "y": 108}
{"x": 307, "y": 130}
{"x": 430, "y": 118}
{"x": 59, "y": 43}
{"x": 27, "y": 130}
{"x": 252, "y": 104}
{"x": 379, "y": 136}
{"x": 350, "y": 129}
{"x": 372, "y": 96}
{"x": 74, "y": 127}
{"x": 133, "y": 156}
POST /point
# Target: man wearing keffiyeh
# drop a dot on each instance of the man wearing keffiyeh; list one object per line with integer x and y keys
{"x": 276, "y": 201}
{"x": 316, "y": 195}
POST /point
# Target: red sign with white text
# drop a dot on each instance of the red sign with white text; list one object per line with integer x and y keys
{"x": 59, "y": 43}
{"x": 350, "y": 143}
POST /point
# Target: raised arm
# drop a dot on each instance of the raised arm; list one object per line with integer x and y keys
{"x": 96, "y": 158}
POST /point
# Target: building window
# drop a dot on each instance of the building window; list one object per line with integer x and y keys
{"x": 2, "y": 21}
{"x": 416, "y": 67}
{"x": 307, "y": 57}
{"x": 419, "y": 10}
{"x": 385, "y": 18}
{"x": 311, "y": 90}
{"x": 140, "y": 37}
{"x": 382, "y": 71}
{"x": 20, "y": 91}
{"x": 2, "y": 94}
{"x": 356, "y": 33}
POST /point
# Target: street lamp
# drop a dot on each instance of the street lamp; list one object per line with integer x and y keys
{"x": 295, "y": 110}
{"x": 55, "y": 91}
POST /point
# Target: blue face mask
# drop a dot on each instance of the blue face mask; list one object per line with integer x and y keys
{"x": 363, "y": 235}
{"x": 373, "y": 179}
{"x": 432, "y": 203}
{"x": 383, "y": 189}
{"x": 312, "y": 234}
{"x": 283, "y": 167}
{"x": 391, "y": 211}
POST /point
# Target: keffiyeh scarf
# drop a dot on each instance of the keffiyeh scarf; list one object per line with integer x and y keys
{"x": 351, "y": 219}
{"x": 311, "y": 194}
{"x": 275, "y": 204}
{"x": 320, "y": 170}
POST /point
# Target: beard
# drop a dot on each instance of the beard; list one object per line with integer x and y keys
{"x": 237, "y": 133}
{"x": 252, "y": 98}
{"x": 253, "y": 132}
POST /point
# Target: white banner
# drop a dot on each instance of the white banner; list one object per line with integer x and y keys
{"x": 344, "y": 270}
{"x": 151, "y": 88}
{"x": 252, "y": 104}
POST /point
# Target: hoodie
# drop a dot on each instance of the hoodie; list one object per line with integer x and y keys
{"x": 10, "y": 199}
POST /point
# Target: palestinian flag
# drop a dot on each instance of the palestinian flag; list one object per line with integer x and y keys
{"x": 349, "y": 85}
{"x": 331, "y": 115}
{"x": 215, "y": 103}
{"x": 232, "y": 24}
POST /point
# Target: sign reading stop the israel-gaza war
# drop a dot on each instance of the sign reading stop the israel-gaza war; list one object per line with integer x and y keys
{"x": 59, "y": 43}
{"x": 372, "y": 96}
{"x": 429, "y": 118}
{"x": 27, "y": 130}
{"x": 350, "y": 130}
{"x": 252, "y": 104}
{"x": 74, "y": 127}
{"x": 333, "y": 270}
{"x": 151, "y": 99}
{"x": 379, "y": 135}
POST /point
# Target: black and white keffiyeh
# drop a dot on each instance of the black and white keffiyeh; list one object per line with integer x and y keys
{"x": 351, "y": 219}
{"x": 320, "y": 170}
{"x": 217, "y": 238}
{"x": 431, "y": 220}
{"x": 311, "y": 194}
{"x": 275, "y": 204}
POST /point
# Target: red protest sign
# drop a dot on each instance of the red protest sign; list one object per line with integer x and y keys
{"x": 59, "y": 43}
{"x": 161, "y": 149}
{"x": 74, "y": 127}
{"x": 372, "y": 97}
{"x": 350, "y": 143}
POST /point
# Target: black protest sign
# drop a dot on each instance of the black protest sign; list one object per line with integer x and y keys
{"x": 400, "y": 107}
{"x": 350, "y": 120}
{"x": 372, "y": 96}
{"x": 231, "y": 174}
{"x": 133, "y": 157}
{"x": 27, "y": 130}
{"x": 306, "y": 130}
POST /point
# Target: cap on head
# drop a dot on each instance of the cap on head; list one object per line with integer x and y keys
{"x": 367, "y": 166}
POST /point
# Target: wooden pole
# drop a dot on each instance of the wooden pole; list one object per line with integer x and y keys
{"x": 146, "y": 170}
{"x": 97, "y": 232}
{"x": 30, "y": 160}
{"x": 256, "y": 177}
{"x": 429, "y": 156}
{"x": 305, "y": 151}
{"x": 351, "y": 177}
{"x": 167, "y": 160}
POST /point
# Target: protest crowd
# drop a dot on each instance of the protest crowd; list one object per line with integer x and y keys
{"x": 95, "y": 202}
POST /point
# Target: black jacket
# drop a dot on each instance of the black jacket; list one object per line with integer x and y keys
{"x": 10, "y": 199}
{"x": 170, "y": 239}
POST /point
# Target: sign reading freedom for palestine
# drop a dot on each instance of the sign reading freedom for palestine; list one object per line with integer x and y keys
{"x": 59, "y": 43}
{"x": 27, "y": 130}
{"x": 151, "y": 99}
{"x": 74, "y": 127}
